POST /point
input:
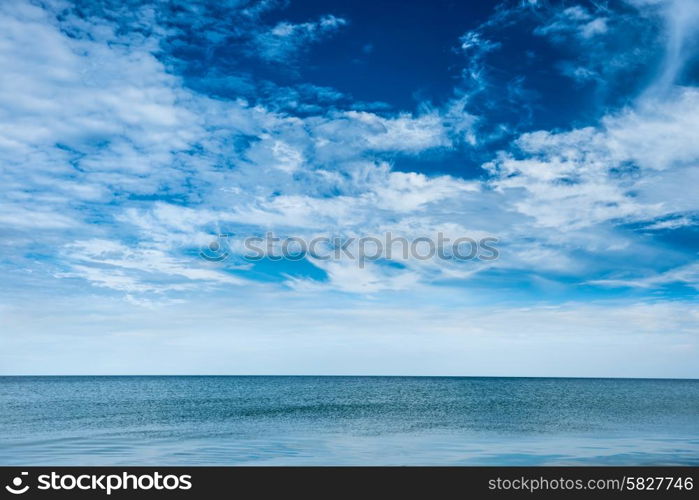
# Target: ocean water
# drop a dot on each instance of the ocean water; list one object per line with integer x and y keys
{"x": 347, "y": 421}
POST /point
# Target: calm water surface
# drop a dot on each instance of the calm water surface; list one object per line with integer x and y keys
{"x": 347, "y": 420}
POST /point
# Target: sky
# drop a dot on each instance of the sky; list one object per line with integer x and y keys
{"x": 134, "y": 133}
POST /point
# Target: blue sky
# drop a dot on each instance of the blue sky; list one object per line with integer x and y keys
{"x": 132, "y": 133}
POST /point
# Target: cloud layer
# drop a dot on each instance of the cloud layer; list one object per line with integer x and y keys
{"x": 133, "y": 135}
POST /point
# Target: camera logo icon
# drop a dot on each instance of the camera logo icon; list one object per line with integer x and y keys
{"x": 16, "y": 487}
{"x": 216, "y": 251}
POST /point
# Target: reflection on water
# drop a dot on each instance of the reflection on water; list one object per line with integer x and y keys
{"x": 347, "y": 420}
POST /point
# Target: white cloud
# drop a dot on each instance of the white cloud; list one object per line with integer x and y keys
{"x": 94, "y": 122}
{"x": 285, "y": 39}
{"x": 141, "y": 269}
{"x": 125, "y": 126}
{"x": 576, "y": 19}
{"x": 622, "y": 170}
{"x": 688, "y": 275}
{"x": 681, "y": 26}
{"x": 671, "y": 223}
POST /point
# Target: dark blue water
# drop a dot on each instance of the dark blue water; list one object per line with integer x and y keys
{"x": 347, "y": 420}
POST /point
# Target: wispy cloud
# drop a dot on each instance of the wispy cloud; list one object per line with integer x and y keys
{"x": 285, "y": 39}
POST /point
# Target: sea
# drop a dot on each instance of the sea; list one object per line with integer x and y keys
{"x": 310, "y": 420}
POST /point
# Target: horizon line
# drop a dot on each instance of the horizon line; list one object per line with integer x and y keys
{"x": 360, "y": 376}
